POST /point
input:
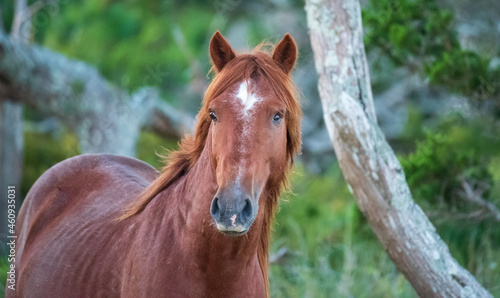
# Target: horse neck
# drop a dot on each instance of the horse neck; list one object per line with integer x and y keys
{"x": 187, "y": 203}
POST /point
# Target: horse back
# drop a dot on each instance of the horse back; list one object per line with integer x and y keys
{"x": 67, "y": 225}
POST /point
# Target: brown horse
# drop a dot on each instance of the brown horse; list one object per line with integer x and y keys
{"x": 112, "y": 226}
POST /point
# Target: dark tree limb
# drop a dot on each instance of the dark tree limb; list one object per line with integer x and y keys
{"x": 368, "y": 163}
{"x": 104, "y": 117}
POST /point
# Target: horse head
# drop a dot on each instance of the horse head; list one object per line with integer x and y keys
{"x": 254, "y": 130}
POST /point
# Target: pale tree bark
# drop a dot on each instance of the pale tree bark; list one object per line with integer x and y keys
{"x": 369, "y": 165}
{"x": 105, "y": 118}
{"x": 11, "y": 126}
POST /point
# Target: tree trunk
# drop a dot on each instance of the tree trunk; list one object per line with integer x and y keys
{"x": 105, "y": 118}
{"x": 11, "y": 159}
{"x": 11, "y": 128}
{"x": 369, "y": 165}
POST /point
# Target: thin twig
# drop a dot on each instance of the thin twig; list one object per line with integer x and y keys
{"x": 35, "y": 7}
{"x": 474, "y": 196}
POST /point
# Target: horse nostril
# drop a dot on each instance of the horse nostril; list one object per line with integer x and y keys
{"x": 246, "y": 213}
{"x": 215, "y": 209}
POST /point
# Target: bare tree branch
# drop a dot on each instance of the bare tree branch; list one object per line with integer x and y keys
{"x": 104, "y": 117}
{"x": 369, "y": 165}
{"x": 21, "y": 25}
{"x": 35, "y": 7}
{"x": 475, "y": 197}
{"x": 198, "y": 81}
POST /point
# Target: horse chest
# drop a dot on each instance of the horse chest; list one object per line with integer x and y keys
{"x": 174, "y": 271}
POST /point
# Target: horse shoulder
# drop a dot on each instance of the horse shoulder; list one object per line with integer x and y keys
{"x": 104, "y": 181}
{"x": 73, "y": 178}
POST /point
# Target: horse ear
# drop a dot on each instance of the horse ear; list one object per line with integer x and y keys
{"x": 285, "y": 53}
{"x": 220, "y": 51}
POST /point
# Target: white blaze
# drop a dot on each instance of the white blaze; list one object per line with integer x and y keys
{"x": 248, "y": 100}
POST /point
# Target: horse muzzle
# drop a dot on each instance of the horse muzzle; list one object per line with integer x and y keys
{"x": 233, "y": 212}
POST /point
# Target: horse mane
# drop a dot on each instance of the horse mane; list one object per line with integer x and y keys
{"x": 179, "y": 162}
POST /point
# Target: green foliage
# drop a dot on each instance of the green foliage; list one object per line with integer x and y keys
{"x": 408, "y": 29}
{"x": 420, "y": 35}
{"x": 132, "y": 43}
{"x": 4, "y": 268}
{"x": 465, "y": 72}
{"x": 7, "y": 14}
{"x": 459, "y": 152}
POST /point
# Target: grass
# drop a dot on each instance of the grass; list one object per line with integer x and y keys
{"x": 330, "y": 250}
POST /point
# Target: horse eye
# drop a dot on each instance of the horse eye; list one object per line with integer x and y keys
{"x": 276, "y": 118}
{"x": 212, "y": 115}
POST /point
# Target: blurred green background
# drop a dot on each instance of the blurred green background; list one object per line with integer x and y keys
{"x": 444, "y": 125}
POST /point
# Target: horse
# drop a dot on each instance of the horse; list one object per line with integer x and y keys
{"x": 112, "y": 226}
